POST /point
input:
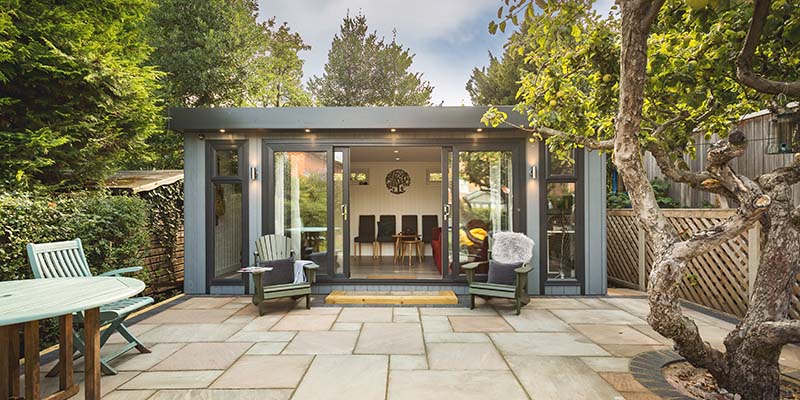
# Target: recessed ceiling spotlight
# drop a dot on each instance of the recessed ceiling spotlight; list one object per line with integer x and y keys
{"x": 393, "y": 130}
{"x": 479, "y": 129}
{"x": 397, "y": 158}
{"x": 308, "y": 130}
{"x": 222, "y": 131}
{"x": 396, "y": 151}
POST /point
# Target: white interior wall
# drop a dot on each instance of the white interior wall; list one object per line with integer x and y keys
{"x": 375, "y": 199}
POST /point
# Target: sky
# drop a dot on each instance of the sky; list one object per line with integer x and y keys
{"x": 448, "y": 37}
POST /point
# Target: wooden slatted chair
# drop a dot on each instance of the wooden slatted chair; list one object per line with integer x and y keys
{"x": 269, "y": 250}
{"x": 518, "y": 291}
{"x": 67, "y": 260}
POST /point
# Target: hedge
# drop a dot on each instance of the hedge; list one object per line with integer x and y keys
{"x": 113, "y": 230}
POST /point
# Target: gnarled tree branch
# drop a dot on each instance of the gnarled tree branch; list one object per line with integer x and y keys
{"x": 779, "y": 332}
{"x": 788, "y": 175}
{"x": 744, "y": 62}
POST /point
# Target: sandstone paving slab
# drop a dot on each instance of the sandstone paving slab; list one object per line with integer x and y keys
{"x": 109, "y": 383}
{"x": 264, "y": 372}
{"x": 240, "y": 319}
{"x": 563, "y": 303}
{"x": 465, "y": 356}
{"x": 204, "y": 302}
{"x": 555, "y": 378}
{"x": 714, "y": 335}
{"x": 264, "y": 323}
{"x": 266, "y": 348}
{"x": 305, "y": 323}
{"x": 346, "y": 326}
{"x": 531, "y": 320}
{"x": 594, "y": 302}
{"x": 614, "y": 334}
{"x": 136, "y": 329}
{"x": 134, "y": 361}
{"x": 461, "y": 385}
{"x": 345, "y": 377}
{"x": 203, "y": 356}
{"x": 315, "y": 310}
{"x": 546, "y": 344}
{"x": 790, "y": 356}
{"x": 448, "y": 311}
{"x": 635, "y": 306}
{"x": 169, "y": 333}
{"x": 455, "y": 337}
{"x": 479, "y": 324}
{"x": 190, "y": 316}
{"x": 607, "y": 364}
{"x": 623, "y": 382}
{"x": 328, "y": 342}
{"x": 390, "y": 338}
{"x": 366, "y": 314}
{"x": 406, "y": 362}
{"x": 630, "y": 350}
{"x": 438, "y": 323}
{"x": 604, "y": 317}
{"x": 172, "y": 380}
{"x": 649, "y": 331}
{"x": 405, "y": 310}
{"x": 223, "y": 394}
{"x": 129, "y": 395}
{"x": 261, "y": 336}
{"x": 405, "y": 318}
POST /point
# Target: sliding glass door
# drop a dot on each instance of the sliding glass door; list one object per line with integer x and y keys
{"x": 306, "y": 202}
{"x": 485, "y": 188}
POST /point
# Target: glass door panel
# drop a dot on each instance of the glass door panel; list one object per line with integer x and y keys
{"x": 485, "y": 203}
{"x": 341, "y": 211}
{"x": 301, "y": 203}
{"x": 560, "y": 230}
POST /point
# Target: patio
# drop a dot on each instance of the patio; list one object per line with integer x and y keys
{"x": 558, "y": 348}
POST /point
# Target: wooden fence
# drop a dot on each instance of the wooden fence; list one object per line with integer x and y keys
{"x": 720, "y": 279}
{"x": 163, "y": 273}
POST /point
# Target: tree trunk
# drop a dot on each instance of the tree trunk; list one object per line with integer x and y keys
{"x": 752, "y": 367}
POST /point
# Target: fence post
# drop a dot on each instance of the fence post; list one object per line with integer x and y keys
{"x": 753, "y": 256}
{"x": 642, "y": 257}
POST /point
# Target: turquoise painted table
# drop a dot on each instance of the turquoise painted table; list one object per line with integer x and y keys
{"x": 24, "y": 303}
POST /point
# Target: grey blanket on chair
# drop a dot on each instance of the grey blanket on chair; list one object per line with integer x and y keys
{"x": 512, "y": 248}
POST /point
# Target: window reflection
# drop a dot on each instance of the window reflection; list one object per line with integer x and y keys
{"x": 561, "y": 230}
{"x": 227, "y": 229}
{"x": 485, "y": 202}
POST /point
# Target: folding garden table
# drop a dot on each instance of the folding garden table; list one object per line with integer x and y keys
{"x": 26, "y": 302}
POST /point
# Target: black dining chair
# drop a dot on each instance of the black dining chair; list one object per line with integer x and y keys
{"x": 410, "y": 226}
{"x": 366, "y": 233}
{"x": 387, "y": 228}
{"x": 428, "y": 223}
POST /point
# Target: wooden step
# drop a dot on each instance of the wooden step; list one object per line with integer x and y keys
{"x": 399, "y": 298}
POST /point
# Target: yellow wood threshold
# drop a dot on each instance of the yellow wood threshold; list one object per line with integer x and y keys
{"x": 342, "y": 297}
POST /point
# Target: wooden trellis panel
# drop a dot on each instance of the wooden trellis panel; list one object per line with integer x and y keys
{"x": 716, "y": 279}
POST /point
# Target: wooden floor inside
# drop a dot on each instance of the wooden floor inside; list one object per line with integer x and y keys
{"x": 367, "y": 267}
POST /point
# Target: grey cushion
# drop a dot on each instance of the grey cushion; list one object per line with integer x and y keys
{"x": 503, "y": 274}
{"x": 282, "y": 271}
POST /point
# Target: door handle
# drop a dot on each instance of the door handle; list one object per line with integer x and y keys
{"x": 446, "y": 211}
{"x": 344, "y": 211}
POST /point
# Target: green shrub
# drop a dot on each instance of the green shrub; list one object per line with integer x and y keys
{"x": 113, "y": 228}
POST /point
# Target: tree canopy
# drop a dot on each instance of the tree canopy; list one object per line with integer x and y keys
{"x": 499, "y": 82}
{"x": 365, "y": 70}
{"x": 215, "y": 53}
{"x": 77, "y": 95}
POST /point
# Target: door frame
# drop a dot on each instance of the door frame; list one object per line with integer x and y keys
{"x": 519, "y": 219}
{"x": 515, "y": 145}
{"x": 268, "y": 205}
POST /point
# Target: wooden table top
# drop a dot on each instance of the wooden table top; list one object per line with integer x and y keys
{"x": 35, "y": 299}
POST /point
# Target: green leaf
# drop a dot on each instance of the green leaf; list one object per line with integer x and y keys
{"x": 503, "y": 26}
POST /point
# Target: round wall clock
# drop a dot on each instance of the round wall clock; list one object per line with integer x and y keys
{"x": 397, "y": 180}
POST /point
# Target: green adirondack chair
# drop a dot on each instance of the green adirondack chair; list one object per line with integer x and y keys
{"x": 67, "y": 260}
{"x": 271, "y": 248}
{"x": 517, "y": 292}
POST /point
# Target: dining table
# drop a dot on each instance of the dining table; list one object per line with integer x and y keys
{"x": 24, "y": 303}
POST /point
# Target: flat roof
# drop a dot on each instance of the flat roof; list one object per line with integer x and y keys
{"x": 143, "y": 181}
{"x": 332, "y": 118}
